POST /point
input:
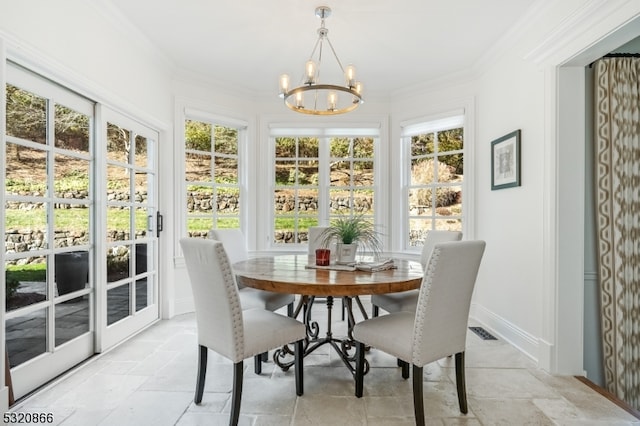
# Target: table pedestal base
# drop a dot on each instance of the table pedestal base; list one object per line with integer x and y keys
{"x": 344, "y": 347}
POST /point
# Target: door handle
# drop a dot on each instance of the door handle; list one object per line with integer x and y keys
{"x": 159, "y": 223}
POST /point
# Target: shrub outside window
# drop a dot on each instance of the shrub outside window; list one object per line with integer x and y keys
{"x": 436, "y": 174}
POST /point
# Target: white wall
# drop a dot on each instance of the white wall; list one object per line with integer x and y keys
{"x": 508, "y": 296}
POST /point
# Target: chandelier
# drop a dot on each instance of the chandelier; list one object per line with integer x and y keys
{"x": 313, "y": 97}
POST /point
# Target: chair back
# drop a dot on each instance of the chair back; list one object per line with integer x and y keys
{"x": 434, "y": 237}
{"x": 234, "y": 243}
{"x": 314, "y": 239}
{"x": 215, "y": 295}
{"x": 442, "y": 312}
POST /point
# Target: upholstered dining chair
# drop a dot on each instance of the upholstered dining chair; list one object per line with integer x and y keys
{"x": 236, "y": 247}
{"x": 438, "y": 327}
{"x": 224, "y": 327}
{"x": 314, "y": 239}
{"x": 407, "y": 300}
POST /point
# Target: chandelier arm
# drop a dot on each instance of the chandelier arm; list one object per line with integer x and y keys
{"x": 319, "y": 62}
{"x": 335, "y": 55}
{"x": 315, "y": 47}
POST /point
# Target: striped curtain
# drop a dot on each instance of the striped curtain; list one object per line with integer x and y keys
{"x": 617, "y": 173}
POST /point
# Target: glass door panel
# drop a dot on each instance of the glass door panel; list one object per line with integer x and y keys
{"x": 130, "y": 300}
{"x": 26, "y": 336}
{"x": 48, "y": 227}
{"x": 118, "y": 302}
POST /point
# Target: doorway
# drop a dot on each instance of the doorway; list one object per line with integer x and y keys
{"x": 80, "y": 228}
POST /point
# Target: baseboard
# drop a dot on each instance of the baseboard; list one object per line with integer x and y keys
{"x": 4, "y": 399}
{"x": 611, "y": 397}
{"x": 183, "y": 306}
{"x": 499, "y": 327}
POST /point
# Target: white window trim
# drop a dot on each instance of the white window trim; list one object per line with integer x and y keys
{"x": 375, "y": 126}
{"x": 465, "y": 116}
{"x": 185, "y": 109}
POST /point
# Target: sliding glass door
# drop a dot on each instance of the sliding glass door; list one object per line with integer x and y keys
{"x": 49, "y": 229}
{"x": 129, "y": 207}
{"x": 80, "y": 231}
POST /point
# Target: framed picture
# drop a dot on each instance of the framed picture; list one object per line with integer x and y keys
{"x": 505, "y": 161}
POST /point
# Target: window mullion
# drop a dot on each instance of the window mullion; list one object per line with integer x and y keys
{"x": 323, "y": 181}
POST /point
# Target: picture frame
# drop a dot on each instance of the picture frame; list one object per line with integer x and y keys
{"x": 505, "y": 161}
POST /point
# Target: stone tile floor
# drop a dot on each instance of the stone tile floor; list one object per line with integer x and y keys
{"x": 150, "y": 380}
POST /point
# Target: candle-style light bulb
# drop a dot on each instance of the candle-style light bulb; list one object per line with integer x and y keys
{"x": 284, "y": 84}
{"x": 332, "y": 100}
{"x": 358, "y": 89}
{"x": 299, "y": 103}
{"x": 310, "y": 72}
{"x": 350, "y": 75}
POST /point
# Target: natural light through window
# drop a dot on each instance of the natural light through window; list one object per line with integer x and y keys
{"x": 435, "y": 176}
{"x": 320, "y": 178}
{"x": 211, "y": 175}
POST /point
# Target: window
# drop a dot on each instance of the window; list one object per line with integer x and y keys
{"x": 211, "y": 176}
{"x": 319, "y": 177}
{"x": 297, "y": 183}
{"x": 435, "y": 176}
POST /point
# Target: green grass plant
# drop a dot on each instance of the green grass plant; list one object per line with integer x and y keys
{"x": 69, "y": 219}
{"x": 30, "y": 272}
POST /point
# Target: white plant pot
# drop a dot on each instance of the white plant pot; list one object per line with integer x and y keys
{"x": 346, "y": 253}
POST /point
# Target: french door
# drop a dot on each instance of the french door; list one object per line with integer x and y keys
{"x": 81, "y": 244}
{"x": 49, "y": 229}
{"x": 129, "y": 212}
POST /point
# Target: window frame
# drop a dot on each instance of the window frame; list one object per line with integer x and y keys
{"x": 442, "y": 122}
{"x": 324, "y": 133}
{"x": 215, "y": 120}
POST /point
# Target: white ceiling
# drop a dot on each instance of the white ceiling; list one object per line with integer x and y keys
{"x": 395, "y": 45}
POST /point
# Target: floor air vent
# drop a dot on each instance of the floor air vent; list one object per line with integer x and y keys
{"x": 484, "y": 334}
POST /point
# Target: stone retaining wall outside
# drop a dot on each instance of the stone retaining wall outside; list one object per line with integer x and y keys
{"x": 18, "y": 241}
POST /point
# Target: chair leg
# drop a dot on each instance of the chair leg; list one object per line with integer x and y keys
{"x": 344, "y": 308}
{"x": 299, "y": 355}
{"x": 257, "y": 364}
{"x": 202, "y": 372}
{"x": 418, "y": 401}
{"x": 360, "y": 349}
{"x": 405, "y": 368}
{"x": 236, "y": 395}
{"x": 460, "y": 383}
{"x": 376, "y": 311}
{"x": 290, "y": 309}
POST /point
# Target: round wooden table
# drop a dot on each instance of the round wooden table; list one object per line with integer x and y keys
{"x": 290, "y": 274}
{"x": 293, "y": 274}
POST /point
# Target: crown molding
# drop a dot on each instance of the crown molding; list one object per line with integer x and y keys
{"x": 521, "y": 28}
{"x": 581, "y": 23}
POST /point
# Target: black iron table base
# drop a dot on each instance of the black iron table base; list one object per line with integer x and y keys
{"x": 344, "y": 346}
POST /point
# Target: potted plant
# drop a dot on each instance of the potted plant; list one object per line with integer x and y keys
{"x": 351, "y": 233}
